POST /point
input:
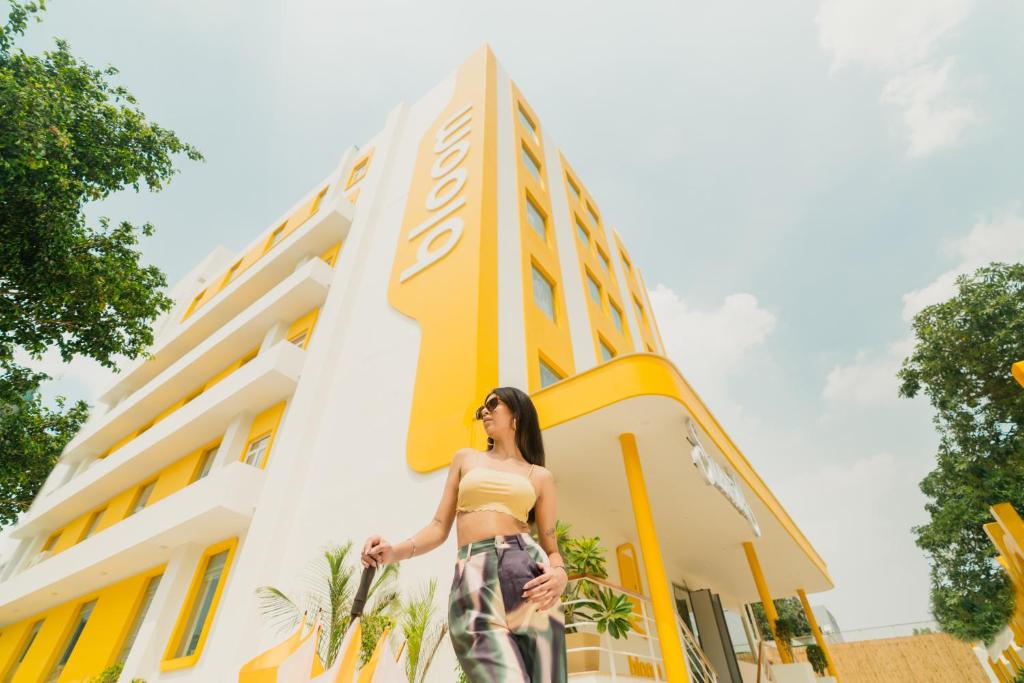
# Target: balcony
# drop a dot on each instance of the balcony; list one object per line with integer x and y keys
{"x": 266, "y": 380}
{"x": 324, "y": 229}
{"x": 598, "y": 658}
{"x": 295, "y": 295}
{"x": 217, "y": 507}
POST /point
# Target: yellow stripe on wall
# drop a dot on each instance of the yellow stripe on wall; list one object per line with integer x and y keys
{"x": 445, "y": 269}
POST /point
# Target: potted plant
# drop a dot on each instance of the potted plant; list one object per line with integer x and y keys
{"x": 816, "y": 658}
{"x": 585, "y": 601}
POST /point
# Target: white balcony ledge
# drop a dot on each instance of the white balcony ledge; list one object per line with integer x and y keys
{"x": 291, "y": 298}
{"x": 210, "y": 510}
{"x": 324, "y": 229}
{"x": 267, "y": 379}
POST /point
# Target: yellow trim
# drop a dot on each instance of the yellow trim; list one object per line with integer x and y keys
{"x": 654, "y": 566}
{"x": 816, "y": 630}
{"x": 170, "y": 662}
{"x": 646, "y": 374}
{"x": 1017, "y": 370}
{"x": 785, "y": 649}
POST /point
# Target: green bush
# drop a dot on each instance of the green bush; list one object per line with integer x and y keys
{"x": 816, "y": 658}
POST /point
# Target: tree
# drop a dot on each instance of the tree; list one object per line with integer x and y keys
{"x": 67, "y": 137}
{"x": 787, "y": 608}
{"x": 961, "y": 360}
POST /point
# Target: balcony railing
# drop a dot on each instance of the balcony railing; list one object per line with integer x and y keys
{"x": 639, "y": 653}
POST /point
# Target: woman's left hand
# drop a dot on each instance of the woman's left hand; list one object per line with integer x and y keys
{"x": 546, "y": 589}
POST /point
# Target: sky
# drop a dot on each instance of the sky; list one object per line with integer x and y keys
{"x": 795, "y": 180}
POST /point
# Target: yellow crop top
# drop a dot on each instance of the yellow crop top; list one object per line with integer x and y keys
{"x": 485, "y": 488}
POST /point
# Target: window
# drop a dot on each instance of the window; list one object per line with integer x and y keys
{"x": 605, "y": 263}
{"x": 83, "y": 618}
{"x": 195, "y": 302}
{"x": 232, "y": 272}
{"x": 625, "y": 260}
{"x": 142, "y": 498}
{"x": 593, "y": 215}
{"x": 300, "y": 339}
{"x": 582, "y": 232}
{"x": 650, "y": 349}
{"x": 639, "y": 309}
{"x": 532, "y": 165}
{"x": 204, "y": 464}
{"x": 358, "y": 172}
{"x": 51, "y": 541}
{"x": 527, "y": 121}
{"x": 574, "y": 188}
{"x": 256, "y": 450}
{"x": 607, "y": 352}
{"x": 594, "y": 289}
{"x": 543, "y": 293}
{"x": 536, "y": 219}
{"x": 548, "y": 376}
{"x": 9, "y": 676}
{"x": 275, "y": 236}
{"x": 195, "y": 618}
{"x": 616, "y": 316}
{"x": 140, "y": 616}
{"x": 94, "y": 521}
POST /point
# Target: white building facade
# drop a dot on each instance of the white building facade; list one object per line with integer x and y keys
{"x": 312, "y": 389}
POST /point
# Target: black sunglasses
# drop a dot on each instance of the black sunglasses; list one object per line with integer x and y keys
{"x": 491, "y": 406}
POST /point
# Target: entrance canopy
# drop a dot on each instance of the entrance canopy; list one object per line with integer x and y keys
{"x": 705, "y": 497}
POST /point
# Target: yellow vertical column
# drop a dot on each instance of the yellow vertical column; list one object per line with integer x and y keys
{"x": 657, "y": 582}
{"x": 766, "y": 599}
{"x": 817, "y": 633}
{"x": 1002, "y": 673}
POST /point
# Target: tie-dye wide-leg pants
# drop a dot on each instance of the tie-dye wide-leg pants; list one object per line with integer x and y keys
{"x": 499, "y": 636}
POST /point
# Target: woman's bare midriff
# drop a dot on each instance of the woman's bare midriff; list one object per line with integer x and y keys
{"x": 477, "y": 525}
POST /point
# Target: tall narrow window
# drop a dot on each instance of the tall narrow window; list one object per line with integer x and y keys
{"x": 607, "y": 352}
{"x": 593, "y": 214}
{"x": 94, "y": 521}
{"x": 232, "y": 272}
{"x": 51, "y": 541}
{"x": 532, "y": 165}
{"x": 543, "y": 293}
{"x": 300, "y": 339}
{"x": 574, "y": 188}
{"x": 358, "y": 172}
{"x": 527, "y": 121}
{"x": 200, "y": 607}
{"x": 548, "y": 376}
{"x": 65, "y": 653}
{"x": 581, "y": 232}
{"x": 639, "y": 309}
{"x": 142, "y": 498}
{"x": 204, "y": 464}
{"x": 257, "y": 450}
{"x": 625, "y": 260}
{"x": 140, "y": 616}
{"x": 616, "y": 316}
{"x": 33, "y": 632}
{"x": 604, "y": 260}
{"x": 594, "y": 289}
{"x": 536, "y": 219}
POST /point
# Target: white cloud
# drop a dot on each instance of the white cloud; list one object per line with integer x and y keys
{"x": 900, "y": 40}
{"x": 932, "y": 119}
{"x": 709, "y": 345}
{"x": 996, "y": 238}
{"x": 886, "y": 35}
{"x": 870, "y": 379}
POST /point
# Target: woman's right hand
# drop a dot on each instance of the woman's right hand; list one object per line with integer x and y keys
{"x": 376, "y": 552}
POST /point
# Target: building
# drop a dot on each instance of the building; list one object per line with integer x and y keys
{"x": 312, "y": 389}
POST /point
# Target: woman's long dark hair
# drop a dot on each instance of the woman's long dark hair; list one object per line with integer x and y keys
{"x": 528, "y": 438}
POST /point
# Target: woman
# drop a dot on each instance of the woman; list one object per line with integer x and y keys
{"x": 505, "y": 616}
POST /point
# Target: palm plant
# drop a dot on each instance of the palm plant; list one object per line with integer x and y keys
{"x": 331, "y": 584}
{"x": 422, "y": 634}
